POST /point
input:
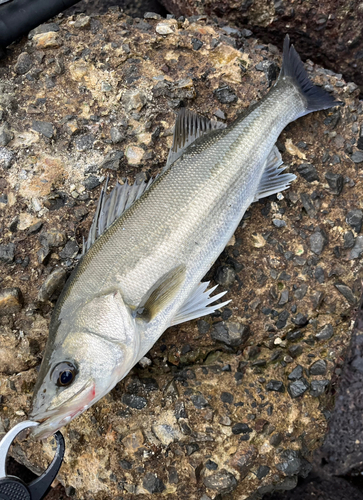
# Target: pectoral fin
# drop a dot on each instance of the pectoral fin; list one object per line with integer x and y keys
{"x": 272, "y": 180}
{"x": 161, "y": 294}
{"x": 199, "y": 304}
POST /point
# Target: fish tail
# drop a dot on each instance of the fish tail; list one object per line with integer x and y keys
{"x": 293, "y": 69}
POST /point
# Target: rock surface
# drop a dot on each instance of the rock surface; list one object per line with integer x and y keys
{"x": 175, "y": 418}
{"x": 327, "y": 32}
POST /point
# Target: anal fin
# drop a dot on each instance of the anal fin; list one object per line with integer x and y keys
{"x": 273, "y": 180}
{"x": 199, "y": 304}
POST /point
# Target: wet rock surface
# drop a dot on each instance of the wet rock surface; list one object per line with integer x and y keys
{"x": 174, "y": 418}
{"x": 327, "y": 32}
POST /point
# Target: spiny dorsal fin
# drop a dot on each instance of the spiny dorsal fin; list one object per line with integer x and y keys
{"x": 188, "y": 127}
{"x": 111, "y": 206}
{"x": 272, "y": 180}
{"x": 161, "y": 294}
{"x": 199, "y": 304}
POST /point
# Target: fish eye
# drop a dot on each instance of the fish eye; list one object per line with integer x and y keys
{"x": 63, "y": 374}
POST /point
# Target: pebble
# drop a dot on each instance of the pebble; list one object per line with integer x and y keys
{"x": 318, "y": 241}
{"x": 296, "y": 373}
{"x": 357, "y": 157}
{"x": 23, "y": 63}
{"x": 134, "y": 100}
{"x": 49, "y": 40}
{"x": 276, "y": 439}
{"x": 43, "y": 28}
{"x": 165, "y": 28}
{"x": 85, "y": 142}
{"x": 349, "y": 239}
{"x": 116, "y": 135}
{"x": 11, "y": 301}
{"x": 346, "y": 292}
{"x": 295, "y": 335}
{"x": 355, "y": 219}
{"x": 112, "y": 160}
{"x": 6, "y": 157}
{"x": 44, "y": 128}
{"x": 318, "y": 368}
{"x": 225, "y": 276}
{"x": 223, "y": 482}
{"x": 300, "y": 319}
{"x": 7, "y": 253}
{"x": 210, "y": 465}
{"x": 227, "y": 397}
{"x": 275, "y": 385}
{"x": 279, "y": 223}
{"x": 5, "y": 134}
{"x": 308, "y": 172}
{"x": 241, "y": 428}
{"x": 262, "y": 471}
{"x": 52, "y": 238}
{"x": 152, "y": 483}
{"x": 298, "y": 387}
{"x": 317, "y": 387}
{"x": 270, "y": 69}
{"x": 199, "y": 401}
{"x": 136, "y": 402}
{"x": 196, "y": 44}
{"x": 191, "y": 448}
{"x": 82, "y": 22}
{"x": 357, "y": 250}
{"x": 152, "y": 15}
{"x": 308, "y": 204}
{"x": 53, "y": 283}
{"x": 231, "y": 333}
{"x": 225, "y": 95}
{"x": 300, "y": 292}
{"x": 284, "y": 299}
{"x": 326, "y": 333}
{"x": 292, "y": 463}
{"x": 91, "y": 182}
{"x": 134, "y": 154}
{"x": 335, "y": 181}
{"x": 295, "y": 350}
{"x": 166, "y": 434}
{"x": 70, "y": 250}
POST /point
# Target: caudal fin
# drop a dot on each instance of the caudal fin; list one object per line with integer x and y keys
{"x": 316, "y": 98}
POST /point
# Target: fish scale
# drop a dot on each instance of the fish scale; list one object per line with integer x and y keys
{"x": 141, "y": 272}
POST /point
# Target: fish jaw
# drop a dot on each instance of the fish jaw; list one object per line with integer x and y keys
{"x": 51, "y": 420}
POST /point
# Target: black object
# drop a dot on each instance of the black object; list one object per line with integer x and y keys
{"x": 12, "y": 487}
{"x": 18, "y": 17}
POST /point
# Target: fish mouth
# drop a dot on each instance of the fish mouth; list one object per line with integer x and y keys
{"x": 52, "y": 419}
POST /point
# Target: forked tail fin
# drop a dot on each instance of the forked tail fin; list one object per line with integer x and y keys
{"x": 292, "y": 67}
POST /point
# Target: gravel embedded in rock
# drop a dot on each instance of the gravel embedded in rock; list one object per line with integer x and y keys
{"x": 262, "y": 471}
{"x": 284, "y": 299}
{"x": 5, "y": 134}
{"x": 223, "y": 482}
{"x": 318, "y": 368}
{"x": 191, "y": 448}
{"x": 349, "y": 239}
{"x": 152, "y": 483}
{"x": 241, "y": 428}
{"x": 112, "y": 160}
{"x": 85, "y": 142}
{"x": 43, "y": 28}
{"x": 308, "y": 204}
{"x": 335, "y": 181}
{"x": 53, "y": 238}
{"x": 11, "y": 301}
{"x": 199, "y": 401}
{"x": 318, "y": 241}
{"x": 225, "y": 95}
{"x": 346, "y": 291}
{"x": 136, "y": 402}
{"x": 44, "y": 128}
{"x": 317, "y": 387}
{"x": 357, "y": 250}
{"x": 357, "y": 157}
{"x": 300, "y": 292}
{"x": 227, "y": 397}
{"x": 23, "y": 63}
{"x": 210, "y": 465}
{"x": 91, "y": 182}
{"x": 116, "y": 135}
{"x": 354, "y": 219}
{"x": 298, "y": 387}
{"x": 308, "y": 172}
{"x": 7, "y": 253}
{"x": 225, "y": 276}
{"x": 300, "y": 319}
{"x": 70, "y": 250}
{"x": 292, "y": 463}
{"x": 6, "y": 157}
{"x": 326, "y": 333}
{"x": 230, "y": 333}
{"x": 296, "y": 373}
{"x": 278, "y": 223}
{"x": 53, "y": 283}
{"x": 275, "y": 385}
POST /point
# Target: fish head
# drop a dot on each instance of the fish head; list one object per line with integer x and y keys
{"x": 91, "y": 350}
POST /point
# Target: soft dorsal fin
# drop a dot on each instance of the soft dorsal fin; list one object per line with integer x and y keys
{"x": 188, "y": 127}
{"x": 111, "y": 206}
{"x": 272, "y": 180}
{"x": 161, "y": 294}
{"x": 199, "y": 304}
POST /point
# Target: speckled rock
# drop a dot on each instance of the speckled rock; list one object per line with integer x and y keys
{"x": 171, "y": 419}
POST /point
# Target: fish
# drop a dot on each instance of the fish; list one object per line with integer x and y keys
{"x": 150, "y": 245}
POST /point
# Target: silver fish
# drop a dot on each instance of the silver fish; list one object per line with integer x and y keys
{"x": 150, "y": 245}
